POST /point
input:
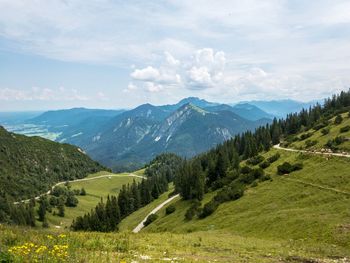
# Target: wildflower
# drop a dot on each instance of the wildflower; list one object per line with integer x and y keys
{"x": 49, "y": 236}
{"x": 61, "y": 235}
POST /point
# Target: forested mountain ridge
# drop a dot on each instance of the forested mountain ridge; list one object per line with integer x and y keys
{"x": 29, "y": 166}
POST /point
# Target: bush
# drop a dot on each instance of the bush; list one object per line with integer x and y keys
{"x": 209, "y": 208}
{"x": 325, "y": 131}
{"x": 345, "y": 129}
{"x": 284, "y": 168}
{"x": 151, "y": 218}
{"x": 305, "y": 136}
{"x": 339, "y": 140}
{"x": 265, "y": 178}
{"x": 287, "y": 168}
{"x": 245, "y": 170}
{"x": 170, "y": 209}
{"x": 71, "y": 200}
{"x": 274, "y": 157}
{"x": 338, "y": 119}
{"x": 232, "y": 192}
{"x": 264, "y": 164}
{"x": 193, "y": 210}
{"x": 83, "y": 191}
{"x": 255, "y": 160}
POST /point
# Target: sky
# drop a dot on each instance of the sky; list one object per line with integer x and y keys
{"x": 119, "y": 54}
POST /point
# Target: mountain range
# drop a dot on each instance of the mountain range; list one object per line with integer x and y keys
{"x": 127, "y": 139}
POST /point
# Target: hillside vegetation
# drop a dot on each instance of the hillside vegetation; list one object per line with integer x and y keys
{"x": 30, "y": 166}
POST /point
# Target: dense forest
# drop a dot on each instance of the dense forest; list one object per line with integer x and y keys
{"x": 30, "y": 166}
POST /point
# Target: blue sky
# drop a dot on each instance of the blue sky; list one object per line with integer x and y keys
{"x": 118, "y": 54}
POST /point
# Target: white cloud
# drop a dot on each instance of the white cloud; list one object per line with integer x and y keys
{"x": 41, "y": 94}
{"x": 272, "y": 48}
{"x": 146, "y": 74}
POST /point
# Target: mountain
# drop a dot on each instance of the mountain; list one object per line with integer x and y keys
{"x": 63, "y": 119}
{"x": 127, "y": 139}
{"x": 193, "y": 100}
{"x": 31, "y": 165}
{"x": 244, "y": 110}
{"x": 133, "y": 138}
{"x": 280, "y": 108}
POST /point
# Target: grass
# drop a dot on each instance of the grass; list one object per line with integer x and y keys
{"x": 323, "y": 139}
{"x": 136, "y": 217}
{"x": 97, "y": 188}
{"x": 208, "y": 246}
{"x": 303, "y": 207}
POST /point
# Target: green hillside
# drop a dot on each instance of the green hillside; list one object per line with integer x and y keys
{"x": 95, "y": 190}
{"x": 29, "y": 166}
{"x": 317, "y": 139}
{"x": 308, "y": 208}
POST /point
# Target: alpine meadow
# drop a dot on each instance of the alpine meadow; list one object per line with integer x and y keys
{"x": 175, "y": 131}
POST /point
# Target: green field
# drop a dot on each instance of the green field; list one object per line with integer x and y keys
{"x": 97, "y": 188}
{"x": 322, "y": 139}
{"x": 308, "y": 208}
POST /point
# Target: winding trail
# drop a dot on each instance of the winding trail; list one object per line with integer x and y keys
{"x": 155, "y": 210}
{"x": 81, "y": 180}
{"x": 277, "y": 146}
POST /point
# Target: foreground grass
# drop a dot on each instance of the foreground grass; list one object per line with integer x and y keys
{"x": 96, "y": 189}
{"x": 209, "y": 246}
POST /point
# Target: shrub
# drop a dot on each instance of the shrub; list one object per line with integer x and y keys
{"x": 345, "y": 129}
{"x": 151, "y": 218}
{"x": 287, "y": 168}
{"x": 338, "y": 119}
{"x": 71, "y": 200}
{"x": 325, "y": 131}
{"x": 232, "y": 192}
{"x": 310, "y": 143}
{"x": 257, "y": 173}
{"x": 82, "y": 191}
{"x": 255, "y": 160}
{"x": 274, "y": 157}
{"x": 245, "y": 170}
{"x": 265, "y": 178}
{"x": 284, "y": 168}
{"x": 170, "y": 209}
{"x": 339, "y": 140}
{"x": 209, "y": 208}
{"x": 193, "y": 210}
{"x": 264, "y": 164}
{"x": 305, "y": 136}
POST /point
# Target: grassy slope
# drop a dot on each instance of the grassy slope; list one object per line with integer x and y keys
{"x": 209, "y": 246}
{"x": 135, "y": 218}
{"x": 101, "y": 187}
{"x": 322, "y": 139}
{"x": 289, "y": 209}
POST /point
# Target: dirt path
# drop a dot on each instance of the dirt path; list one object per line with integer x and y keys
{"x": 303, "y": 151}
{"x": 81, "y": 180}
{"x": 318, "y": 186}
{"x": 155, "y": 210}
{"x": 312, "y": 184}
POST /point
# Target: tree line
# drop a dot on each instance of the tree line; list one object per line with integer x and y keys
{"x": 219, "y": 167}
{"x": 160, "y": 172}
